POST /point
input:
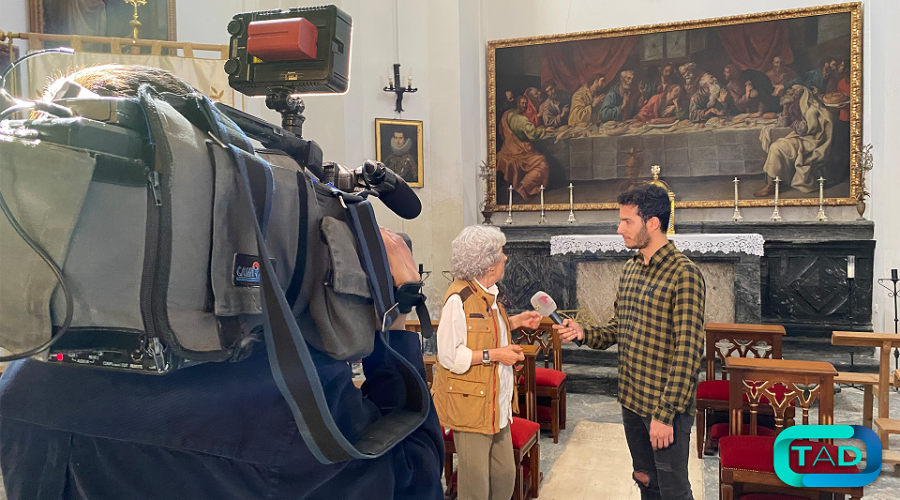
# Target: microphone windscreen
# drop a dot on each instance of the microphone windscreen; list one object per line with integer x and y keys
{"x": 402, "y": 200}
{"x": 543, "y": 303}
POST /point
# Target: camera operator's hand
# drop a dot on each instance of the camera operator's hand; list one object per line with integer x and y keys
{"x": 403, "y": 267}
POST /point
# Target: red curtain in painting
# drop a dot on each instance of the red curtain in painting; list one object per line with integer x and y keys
{"x": 571, "y": 64}
{"x": 752, "y": 46}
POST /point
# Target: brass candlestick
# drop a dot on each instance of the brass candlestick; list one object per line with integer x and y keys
{"x": 821, "y": 215}
{"x": 775, "y": 215}
{"x": 864, "y": 163}
{"x": 737, "y": 211}
{"x": 655, "y": 169}
{"x": 135, "y": 24}
{"x": 509, "y": 217}
{"x": 571, "y": 219}
{"x": 542, "y": 220}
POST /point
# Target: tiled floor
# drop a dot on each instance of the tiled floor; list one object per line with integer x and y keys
{"x": 597, "y": 408}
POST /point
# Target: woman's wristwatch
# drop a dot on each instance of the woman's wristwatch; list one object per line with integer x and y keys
{"x": 486, "y": 357}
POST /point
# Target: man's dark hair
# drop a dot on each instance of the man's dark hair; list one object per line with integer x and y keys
{"x": 595, "y": 78}
{"x": 651, "y": 201}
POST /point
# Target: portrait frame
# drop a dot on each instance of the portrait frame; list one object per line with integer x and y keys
{"x": 698, "y": 32}
{"x": 36, "y": 19}
{"x": 384, "y": 131}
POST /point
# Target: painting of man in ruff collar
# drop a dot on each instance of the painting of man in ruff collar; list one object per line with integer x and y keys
{"x": 399, "y": 147}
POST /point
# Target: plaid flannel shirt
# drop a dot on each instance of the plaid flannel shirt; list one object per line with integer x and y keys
{"x": 658, "y": 323}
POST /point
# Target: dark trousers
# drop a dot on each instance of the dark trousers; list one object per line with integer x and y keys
{"x": 667, "y": 468}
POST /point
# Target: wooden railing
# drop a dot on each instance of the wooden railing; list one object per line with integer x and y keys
{"x": 116, "y": 45}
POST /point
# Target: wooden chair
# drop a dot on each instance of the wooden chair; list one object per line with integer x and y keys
{"x": 525, "y": 434}
{"x": 723, "y": 341}
{"x": 550, "y": 382}
{"x": 879, "y": 388}
{"x": 747, "y": 458}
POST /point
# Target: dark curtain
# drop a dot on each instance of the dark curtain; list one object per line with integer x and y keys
{"x": 752, "y": 46}
{"x": 571, "y": 64}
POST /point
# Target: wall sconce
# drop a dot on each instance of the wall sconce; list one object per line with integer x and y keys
{"x": 399, "y": 89}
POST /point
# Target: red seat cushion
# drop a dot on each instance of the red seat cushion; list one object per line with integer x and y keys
{"x": 718, "y": 390}
{"x": 718, "y": 431}
{"x": 522, "y": 430}
{"x": 546, "y": 377}
{"x": 770, "y": 496}
{"x": 713, "y": 389}
{"x": 756, "y": 453}
{"x": 448, "y": 433}
{"x": 544, "y": 414}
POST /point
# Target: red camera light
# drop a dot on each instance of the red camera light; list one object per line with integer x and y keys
{"x": 282, "y": 39}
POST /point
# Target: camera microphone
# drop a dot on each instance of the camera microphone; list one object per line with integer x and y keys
{"x": 392, "y": 190}
{"x": 544, "y": 304}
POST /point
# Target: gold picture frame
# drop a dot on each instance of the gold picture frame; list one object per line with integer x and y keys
{"x": 406, "y": 159}
{"x": 515, "y": 66}
{"x": 156, "y": 23}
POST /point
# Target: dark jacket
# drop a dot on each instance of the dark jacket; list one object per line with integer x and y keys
{"x": 216, "y": 431}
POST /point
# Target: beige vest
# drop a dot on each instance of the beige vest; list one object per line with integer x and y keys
{"x": 468, "y": 402}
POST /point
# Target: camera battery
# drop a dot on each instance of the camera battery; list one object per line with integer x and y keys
{"x": 282, "y": 39}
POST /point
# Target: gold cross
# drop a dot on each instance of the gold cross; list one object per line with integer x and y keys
{"x": 134, "y": 22}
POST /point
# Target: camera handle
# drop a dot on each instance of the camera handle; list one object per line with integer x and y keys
{"x": 291, "y": 108}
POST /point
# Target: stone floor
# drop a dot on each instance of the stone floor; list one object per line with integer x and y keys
{"x": 601, "y": 408}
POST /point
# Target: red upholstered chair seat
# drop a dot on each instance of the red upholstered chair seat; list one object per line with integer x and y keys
{"x": 720, "y": 430}
{"x": 756, "y": 453}
{"x": 770, "y": 496}
{"x": 718, "y": 390}
{"x": 546, "y": 377}
{"x": 448, "y": 433}
{"x": 544, "y": 413}
{"x": 522, "y": 430}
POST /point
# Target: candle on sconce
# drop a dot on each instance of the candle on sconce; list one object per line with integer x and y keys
{"x": 390, "y": 81}
{"x": 409, "y": 80}
{"x": 894, "y": 274}
{"x": 851, "y": 267}
{"x": 421, "y": 269}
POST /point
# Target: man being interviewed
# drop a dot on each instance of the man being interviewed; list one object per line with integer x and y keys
{"x": 474, "y": 388}
{"x": 657, "y": 323}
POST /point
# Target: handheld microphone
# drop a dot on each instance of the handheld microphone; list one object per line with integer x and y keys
{"x": 544, "y": 304}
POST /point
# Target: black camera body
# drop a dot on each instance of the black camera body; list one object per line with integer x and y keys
{"x": 277, "y": 69}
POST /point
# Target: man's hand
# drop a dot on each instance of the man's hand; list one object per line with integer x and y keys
{"x": 661, "y": 435}
{"x": 403, "y": 267}
{"x": 527, "y": 319}
{"x": 598, "y": 100}
{"x": 569, "y": 331}
{"x": 723, "y": 94}
{"x": 400, "y": 259}
{"x": 565, "y": 109}
{"x": 507, "y": 355}
{"x": 669, "y": 110}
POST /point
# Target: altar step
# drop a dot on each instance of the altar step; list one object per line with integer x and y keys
{"x": 590, "y": 371}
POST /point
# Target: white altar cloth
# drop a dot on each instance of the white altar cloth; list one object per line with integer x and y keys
{"x": 751, "y": 244}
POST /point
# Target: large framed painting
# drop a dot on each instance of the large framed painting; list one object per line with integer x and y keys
{"x": 398, "y": 144}
{"x": 106, "y": 18}
{"x": 759, "y": 97}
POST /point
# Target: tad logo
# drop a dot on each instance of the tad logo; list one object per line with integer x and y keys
{"x": 787, "y": 450}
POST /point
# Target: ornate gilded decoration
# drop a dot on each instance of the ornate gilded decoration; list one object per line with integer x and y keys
{"x": 855, "y": 80}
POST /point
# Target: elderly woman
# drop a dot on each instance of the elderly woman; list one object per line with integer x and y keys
{"x": 474, "y": 389}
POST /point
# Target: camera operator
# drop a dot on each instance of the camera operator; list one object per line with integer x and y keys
{"x": 214, "y": 431}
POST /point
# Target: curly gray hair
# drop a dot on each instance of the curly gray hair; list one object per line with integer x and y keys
{"x": 475, "y": 250}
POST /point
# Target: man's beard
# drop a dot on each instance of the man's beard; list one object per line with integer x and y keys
{"x": 714, "y": 89}
{"x": 641, "y": 241}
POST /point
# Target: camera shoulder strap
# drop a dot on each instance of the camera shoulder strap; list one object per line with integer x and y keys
{"x": 294, "y": 370}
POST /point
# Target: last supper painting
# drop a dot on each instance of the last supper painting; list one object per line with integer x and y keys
{"x": 772, "y": 100}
